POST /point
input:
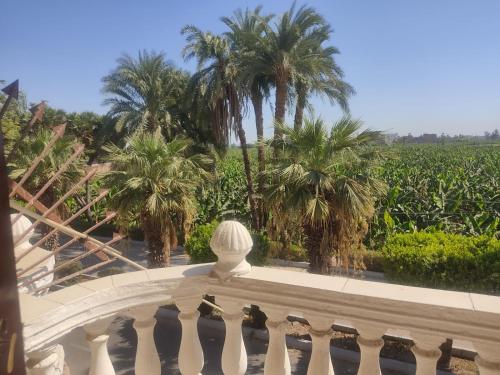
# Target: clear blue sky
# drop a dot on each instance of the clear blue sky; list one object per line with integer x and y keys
{"x": 417, "y": 66}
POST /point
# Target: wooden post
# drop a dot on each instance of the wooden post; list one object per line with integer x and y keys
{"x": 11, "y": 335}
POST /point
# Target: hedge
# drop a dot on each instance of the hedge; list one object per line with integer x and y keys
{"x": 198, "y": 246}
{"x": 445, "y": 261}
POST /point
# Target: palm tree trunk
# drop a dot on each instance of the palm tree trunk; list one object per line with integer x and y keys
{"x": 257, "y": 100}
{"x": 281, "y": 94}
{"x": 154, "y": 240}
{"x": 248, "y": 173}
{"x": 319, "y": 262}
{"x": 168, "y": 235}
{"x": 299, "y": 107}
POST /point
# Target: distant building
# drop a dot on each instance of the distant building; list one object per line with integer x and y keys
{"x": 427, "y": 138}
{"x": 389, "y": 139}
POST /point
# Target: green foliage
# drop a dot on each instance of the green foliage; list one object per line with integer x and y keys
{"x": 226, "y": 196}
{"x": 451, "y": 188}
{"x": 31, "y": 147}
{"x": 153, "y": 184}
{"x": 260, "y": 250}
{"x": 198, "y": 245}
{"x": 443, "y": 260}
{"x": 145, "y": 94}
{"x": 294, "y": 253}
{"x": 16, "y": 113}
{"x": 326, "y": 180}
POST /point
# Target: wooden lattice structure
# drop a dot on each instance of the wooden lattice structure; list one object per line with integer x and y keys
{"x": 35, "y": 265}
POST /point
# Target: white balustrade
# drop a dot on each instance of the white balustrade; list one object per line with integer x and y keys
{"x": 488, "y": 358}
{"x": 370, "y": 343}
{"x": 147, "y": 361}
{"x": 277, "y": 359}
{"x": 321, "y": 335}
{"x": 190, "y": 352}
{"x": 234, "y": 354}
{"x": 429, "y": 315}
{"x": 427, "y": 353}
{"x": 97, "y": 338}
{"x": 47, "y": 361}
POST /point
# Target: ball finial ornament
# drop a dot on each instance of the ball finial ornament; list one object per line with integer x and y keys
{"x": 231, "y": 242}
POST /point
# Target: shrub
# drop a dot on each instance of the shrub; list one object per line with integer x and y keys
{"x": 441, "y": 260}
{"x": 198, "y": 246}
{"x": 373, "y": 260}
{"x": 295, "y": 253}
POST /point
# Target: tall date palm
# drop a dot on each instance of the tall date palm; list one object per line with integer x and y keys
{"x": 246, "y": 28}
{"x": 216, "y": 80}
{"x": 283, "y": 47}
{"x": 145, "y": 93}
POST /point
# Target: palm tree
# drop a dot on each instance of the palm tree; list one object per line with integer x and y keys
{"x": 216, "y": 81}
{"x": 328, "y": 180}
{"x": 31, "y": 147}
{"x": 145, "y": 93}
{"x": 321, "y": 76}
{"x": 154, "y": 184}
{"x": 245, "y": 30}
{"x": 282, "y": 48}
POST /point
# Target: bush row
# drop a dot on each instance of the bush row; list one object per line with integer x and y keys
{"x": 445, "y": 261}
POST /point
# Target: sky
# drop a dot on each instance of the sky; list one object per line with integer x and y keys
{"x": 426, "y": 66}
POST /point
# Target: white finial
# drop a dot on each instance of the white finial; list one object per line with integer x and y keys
{"x": 18, "y": 229}
{"x": 231, "y": 242}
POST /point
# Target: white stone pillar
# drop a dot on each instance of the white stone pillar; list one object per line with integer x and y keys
{"x": 234, "y": 354}
{"x": 427, "y": 353}
{"x": 190, "y": 352}
{"x": 370, "y": 342}
{"x": 488, "y": 358}
{"x": 277, "y": 360}
{"x": 97, "y": 338}
{"x": 147, "y": 361}
{"x": 47, "y": 361}
{"x": 321, "y": 334}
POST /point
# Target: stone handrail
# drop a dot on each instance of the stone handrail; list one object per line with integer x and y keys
{"x": 430, "y": 316}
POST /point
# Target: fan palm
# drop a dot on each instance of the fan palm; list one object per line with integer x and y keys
{"x": 216, "y": 81}
{"x": 145, "y": 93}
{"x": 32, "y": 146}
{"x": 328, "y": 180}
{"x": 154, "y": 184}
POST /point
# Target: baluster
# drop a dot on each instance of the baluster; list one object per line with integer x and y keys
{"x": 427, "y": 353}
{"x": 47, "y": 361}
{"x": 488, "y": 358}
{"x": 321, "y": 334}
{"x": 97, "y": 338}
{"x": 190, "y": 352}
{"x": 370, "y": 342}
{"x": 277, "y": 360}
{"x": 234, "y": 355}
{"x": 147, "y": 361}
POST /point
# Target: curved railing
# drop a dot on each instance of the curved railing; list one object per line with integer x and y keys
{"x": 430, "y": 316}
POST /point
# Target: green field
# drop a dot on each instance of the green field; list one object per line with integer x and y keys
{"x": 452, "y": 187}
